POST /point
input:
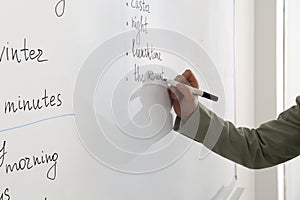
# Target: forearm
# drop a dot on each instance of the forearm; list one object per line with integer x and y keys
{"x": 272, "y": 143}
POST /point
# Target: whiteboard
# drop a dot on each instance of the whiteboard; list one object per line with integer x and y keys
{"x": 78, "y": 118}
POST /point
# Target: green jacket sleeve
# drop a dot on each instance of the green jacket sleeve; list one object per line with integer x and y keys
{"x": 271, "y": 143}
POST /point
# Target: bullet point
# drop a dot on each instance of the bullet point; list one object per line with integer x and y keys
{"x": 127, "y": 4}
{"x": 126, "y": 53}
{"x": 127, "y": 23}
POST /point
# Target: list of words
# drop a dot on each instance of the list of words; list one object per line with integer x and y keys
{"x": 142, "y": 50}
{"x": 14, "y": 106}
{"x": 24, "y": 53}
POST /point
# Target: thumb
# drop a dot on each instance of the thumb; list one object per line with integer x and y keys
{"x": 184, "y": 90}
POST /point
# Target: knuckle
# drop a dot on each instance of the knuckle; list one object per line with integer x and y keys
{"x": 180, "y": 78}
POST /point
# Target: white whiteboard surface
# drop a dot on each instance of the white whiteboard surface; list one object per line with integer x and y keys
{"x": 292, "y": 27}
{"x": 65, "y": 79}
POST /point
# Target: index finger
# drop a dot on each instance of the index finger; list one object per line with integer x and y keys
{"x": 190, "y": 77}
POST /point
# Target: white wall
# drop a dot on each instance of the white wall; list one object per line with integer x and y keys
{"x": 265, "y": 86}
{"x": 256, "y": 85}
{"x": 244, "y": 68}
{"x": 292, "y": 64}
{"x": 292, "y": 87}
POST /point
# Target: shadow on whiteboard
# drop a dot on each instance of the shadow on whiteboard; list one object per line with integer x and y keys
{"x": 135, "y": 136}
{"x": 142, "y": 120}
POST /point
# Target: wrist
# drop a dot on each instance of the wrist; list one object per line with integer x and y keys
{"x": 187, "y": 115}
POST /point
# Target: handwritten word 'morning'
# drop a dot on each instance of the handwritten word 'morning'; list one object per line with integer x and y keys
{"x": 27, "y": 163}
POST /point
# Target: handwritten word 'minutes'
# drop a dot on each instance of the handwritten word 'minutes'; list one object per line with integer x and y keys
{"x": 147, "y": 52}
{"x": 27, "y": 163}
{"x": 24, "y": 54}
{"x": 140, "y": 5}
{"x": 34, "y": 104}
{"x": 5, "y": 194}
{"x": 60, "y": 8}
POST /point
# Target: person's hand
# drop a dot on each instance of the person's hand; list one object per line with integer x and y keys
{"x": 183, "y": 100}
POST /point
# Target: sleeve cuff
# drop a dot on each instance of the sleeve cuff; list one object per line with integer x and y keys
{"x": 190, "y": 127}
